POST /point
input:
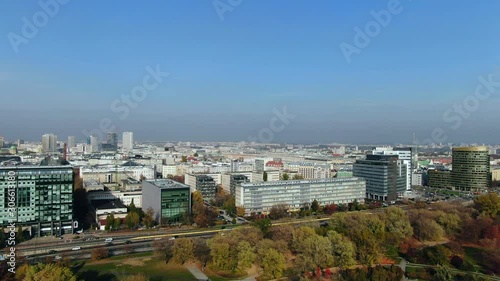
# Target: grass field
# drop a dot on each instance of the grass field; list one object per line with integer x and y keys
{"x": 113, "y": 269}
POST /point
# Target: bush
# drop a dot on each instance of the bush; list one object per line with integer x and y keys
{"x": 99, "y": 254}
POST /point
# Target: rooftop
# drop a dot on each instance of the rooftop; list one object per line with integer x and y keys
{"x": 166, "y": 183}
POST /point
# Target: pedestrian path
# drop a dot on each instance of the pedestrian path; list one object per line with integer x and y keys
{"x": 198, "y": 274}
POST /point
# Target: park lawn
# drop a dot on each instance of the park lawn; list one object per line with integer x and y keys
{"x": 114, "y": 269}
{"x": 474, "y": 256}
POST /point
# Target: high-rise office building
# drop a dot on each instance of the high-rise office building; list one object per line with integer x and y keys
{"x": 112, "y": 139}
{"x": 2, "y": 142}
{"x": 206, "y": 186}
{"x": 71, "y": 142}
{"x": 128, "y": 140}
{"x": 385, "y": 176}
{"x": 170, "y": 200}
{"x": 470, "y": 168}
{"x": 49, "y": 143}
{"x": 405, "y": 154}
{"x": 94, "y": 144}
{"x": 37, "y": 197}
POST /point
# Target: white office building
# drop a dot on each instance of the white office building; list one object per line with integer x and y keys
{"x": 49, "y": 143}
{"x": 128, "y": 140}
{"x": 260, "y": 197}
{"x": 404, "y": 154}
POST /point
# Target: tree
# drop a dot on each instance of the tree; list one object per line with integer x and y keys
{"x": 330, "y": 209}
{"x": 184, "y": 159}
{"x": 197, "y": 199}
{"x": 343, "y": 250}
{"x": 319, "y": 249}
{"x": 443, "y": 273}
{"x": 285, "y": 176}
{"x": 110, "y": 220}
{"x": 222, "y": 256}
{"x": 273, "y": 264}
{"x": 427, "y": 230}
{"x": 164, "y": 248}
{"x": 201, "y": 251}
{"x": 488, "y": 204}
{"x": 196, "y": 154}
{"x": 117, "y": 223}
{"x": 397, "y": 224}
{"x": 204, "y": 217}
{"x": 136, "y": 277}
{"x": 282, "y": 232}
{"x": 278, "y": 211}
{"x": 132, "y": 220}
{"x": 3, "y": 238}
{"x": 298, "y": 177}
{"x": 21, "y": 271}
{"x": 148, "y": 220}
{"x": 20, "y": 235}
{"x": 229, "y": 204}
{"x": 49, "y": 272}
{"x": 263, "y": 225}
{"x": 246, "y": 255}
{"x": 299, "y": 236}
{"x": 315, "y": 206}
{"x": 183, "y": 250}
{"x": 264, "y": 176}
{"x": 99, "y": 253}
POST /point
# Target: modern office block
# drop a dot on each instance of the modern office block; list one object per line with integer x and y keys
{"x": 128, "y": 140}
{"x": 471, "y": 168}
{"x": 49, "y": 143}
{"x": 261, "y": 197}
{"x": 38, "y": 198}
{"x": 385, "y": 176}
{"x": 439, "y": 179}
{"x": 170, "y": 200}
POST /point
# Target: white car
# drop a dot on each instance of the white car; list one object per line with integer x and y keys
{"x": 76, "y": 248}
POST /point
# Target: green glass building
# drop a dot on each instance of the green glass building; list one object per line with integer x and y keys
{"x": 170, "y": 200}
{"x": 39, "y": 199}
{"x": 470, "y": 168}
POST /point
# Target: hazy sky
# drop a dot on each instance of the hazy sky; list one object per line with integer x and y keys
{"x": 227, "y": 76}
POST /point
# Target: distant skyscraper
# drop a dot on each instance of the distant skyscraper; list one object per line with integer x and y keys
{"x": 49, "y": 143}
{"x": 2, "y": 142}
{"x": 112, "y": 139}
{"x": 406, "y": 154}
{"x": 71, "y": 142}
{"x": 94, "y": 144}
{"x": 128, "y": 140}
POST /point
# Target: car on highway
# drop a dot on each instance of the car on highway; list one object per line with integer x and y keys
{"x": 108, "y": 240}
{"x": 51, "y": 252}
{"x": 128, "y": 242}
{"x": 57, "y": 258}
{"x": 76, "y": 248}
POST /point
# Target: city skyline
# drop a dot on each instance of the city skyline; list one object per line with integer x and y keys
{"x": 227, "y": 76}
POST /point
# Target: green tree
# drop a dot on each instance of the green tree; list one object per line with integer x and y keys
{"x": 195, "y": 155}
{"x": 117, "y": 223}
{"x": 299, "y": 236}
{"x": 184, "y": 159}
{"x": 343, "y": 250}
{"x": 282, "y": 232}
{"x": 264, "y": 176}
{"x": 298, "y": 177}
{"x": 132, "y": 220}
{"x": 397, "y": 224}
{"x": 315, "y": 206}
{"x": 427, "y": 229}
{"x": 99, "y": 253}
{"x": 110, "y": 219}
{"x": 285, "y": 176}
{"x": 183, "y": 250}
{"x": 319, "y": 249}
{"x": 263, "y": 225}
{"x": 230, "y": 205}
{"x": 222, "y": 258}
{"x": 488, "y": 204}
{"x": 49, "y": 272}
{"x": 278, "y": 211}
{"x": 273, "y": 264}
{"x": 443, "y": 273}
{"x": 246, "y": 255}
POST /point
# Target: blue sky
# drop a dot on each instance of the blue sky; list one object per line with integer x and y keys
{"x": 227, "y": 76}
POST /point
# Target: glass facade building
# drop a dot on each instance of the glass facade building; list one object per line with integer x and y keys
{"x": 471, "y": 168}
{"x": 40, "y": 198}
{"x": 169, "y": 199}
